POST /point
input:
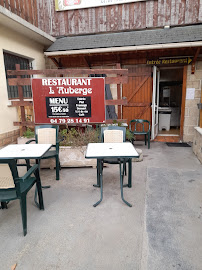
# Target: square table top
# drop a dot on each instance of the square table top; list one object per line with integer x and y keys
{"x": 111, "y": 150}
{"x": 23, "y": 151}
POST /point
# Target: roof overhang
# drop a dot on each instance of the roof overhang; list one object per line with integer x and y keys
{"x": 21, "y": 26}
{"x": 125, "y": 49}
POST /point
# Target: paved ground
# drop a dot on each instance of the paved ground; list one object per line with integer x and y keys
{"x": 163, "y": 229}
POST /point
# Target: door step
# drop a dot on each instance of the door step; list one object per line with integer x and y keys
{"x": 169, "y": 138}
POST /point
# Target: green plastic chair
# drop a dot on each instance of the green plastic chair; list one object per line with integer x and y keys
{"x": 13, "y": 187}
{"x": 114, "y": 137}
{"x": 141, "y": 123}
{"x": 49, "y": 134}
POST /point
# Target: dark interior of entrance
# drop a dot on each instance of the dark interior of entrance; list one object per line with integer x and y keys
{"x": 170, "y": 98}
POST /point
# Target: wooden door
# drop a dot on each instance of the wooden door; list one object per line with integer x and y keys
{"x": 138, "y": 92}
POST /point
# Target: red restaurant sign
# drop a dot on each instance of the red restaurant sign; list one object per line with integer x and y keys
{"x": 69, "y": 100}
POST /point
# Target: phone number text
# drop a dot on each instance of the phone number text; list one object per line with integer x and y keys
{"x": 70, "y": 121}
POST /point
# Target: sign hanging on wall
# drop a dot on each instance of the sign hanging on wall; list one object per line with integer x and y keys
{"x": 69, "y": 100}
{"x": 77, "y": 4}
{"x": 170, "y": 61}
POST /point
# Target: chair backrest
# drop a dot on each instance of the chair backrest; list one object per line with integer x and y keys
{"x": 46, "y": 134}
{"x": 139, "y": 124}
{"x": 8, "y": 169}
{"x": 113, "y": 134}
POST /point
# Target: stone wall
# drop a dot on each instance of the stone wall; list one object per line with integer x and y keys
{"x": 191, "y": 119}
{"x": 197, "y": 143}
{"x": 9, "y": 137}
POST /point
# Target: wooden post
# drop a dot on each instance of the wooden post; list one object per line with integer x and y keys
{"x": 118, "y": 66}
{"x": 22, "y": 108}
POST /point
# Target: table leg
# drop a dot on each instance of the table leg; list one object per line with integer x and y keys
{"x": 36, "y": 190}
{"x": 38, "y": 162}
{"x": 98, "y": 174}
{"x": 100, "y": 166}
{"x": 130, "y": 173}
{"x": 121, "y": 182}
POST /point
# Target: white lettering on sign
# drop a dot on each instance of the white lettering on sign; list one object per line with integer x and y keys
{"x": 69, "y": 90}
{"x": 51, "y": 91}
{"x": 62, "y": 100}
{"x": 66, "y": 81}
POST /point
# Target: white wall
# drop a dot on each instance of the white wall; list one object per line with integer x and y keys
{"x": 15, "y": 43}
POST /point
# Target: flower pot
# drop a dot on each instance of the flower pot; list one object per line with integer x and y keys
{"x": 75, "y": 157}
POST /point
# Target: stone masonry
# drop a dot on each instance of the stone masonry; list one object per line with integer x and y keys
{"x": 191, "y": 119}
{"x": 9, "y": 137}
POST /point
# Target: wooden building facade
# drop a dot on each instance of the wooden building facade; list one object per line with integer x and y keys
{"x": 114, "y": 18}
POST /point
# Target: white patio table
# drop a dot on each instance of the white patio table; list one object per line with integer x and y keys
{"x": 122, "y": 152}
{"x": 24, "y": 151}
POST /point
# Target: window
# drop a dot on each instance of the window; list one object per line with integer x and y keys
{"x": 10, "y": 61}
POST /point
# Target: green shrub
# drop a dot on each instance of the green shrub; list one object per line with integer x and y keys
{"x": 29, "y": 133}
{"x": 75, "y": 138}
{"x": 129, "y": 135}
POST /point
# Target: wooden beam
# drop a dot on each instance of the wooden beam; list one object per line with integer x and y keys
{"x": 118, "y": 57}
{"x": 19, "y": 81}
{"x": 194, "y": 61}
{"x": 116, "y": 102}
{"x": 116, "y": 80}
{"x": 56, "y": 62}
{"x": 53, "y": 72}
{"x": 118, "y": 66}
{"x": 142, "y": 112}
{"x": 86, "y": 60}
{"x": 24, "y": 123}
{"x": 183, "y": 102}
{"x": 20, "y": 93}
{"x": 20, "y": 103}
{"x": 133, "y": 104}
{"x": 27, "y": 81}
{"x": 139, "y": 74}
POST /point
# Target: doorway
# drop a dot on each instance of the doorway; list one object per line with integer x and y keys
{"x": 167, "y": 101}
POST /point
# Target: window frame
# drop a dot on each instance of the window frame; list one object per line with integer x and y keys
{"x": 25, "y": 63}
